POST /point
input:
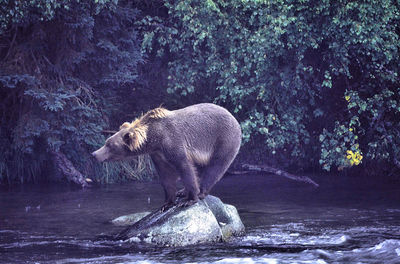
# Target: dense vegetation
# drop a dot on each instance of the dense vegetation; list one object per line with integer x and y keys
{"x": 314, "y": 84}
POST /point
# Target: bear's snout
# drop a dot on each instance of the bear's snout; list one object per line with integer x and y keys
{"x": 100, "y": 154}
{"x": 94, "y": 155}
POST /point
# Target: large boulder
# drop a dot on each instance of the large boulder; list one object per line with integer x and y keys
{"x": 207, "y": 221}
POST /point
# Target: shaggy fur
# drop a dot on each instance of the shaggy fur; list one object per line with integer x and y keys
{"x": 138, "y": 127}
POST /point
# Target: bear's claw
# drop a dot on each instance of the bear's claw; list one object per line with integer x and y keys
{"x": 187, "y": 203}
{"x": 166, "y": 206}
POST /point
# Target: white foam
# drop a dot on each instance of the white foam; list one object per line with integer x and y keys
{"x": 388, "y": 245}
{"x": 284, "y": 237}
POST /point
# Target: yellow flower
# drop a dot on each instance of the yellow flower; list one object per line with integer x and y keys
{"x": 354, "y": 158}
{"x": 350, "y": 129}
{"x": 347, "y": 98}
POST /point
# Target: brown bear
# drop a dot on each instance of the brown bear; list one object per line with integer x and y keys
{"x": 196, "y": 144}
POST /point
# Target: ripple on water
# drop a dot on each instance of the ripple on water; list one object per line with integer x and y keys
{"x": 269, "y": 260}
{"x": 387, "y": 251}
{"x": 126, "y": 259}
{"x": 296, "y": 234}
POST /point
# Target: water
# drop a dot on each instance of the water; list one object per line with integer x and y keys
{"x": 346, "y": 220}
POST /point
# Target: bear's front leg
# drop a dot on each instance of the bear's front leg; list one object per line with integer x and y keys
{"x": 170, "y": 194}
{"x": 168, "y": 177}
{"x": 189, "y": 179}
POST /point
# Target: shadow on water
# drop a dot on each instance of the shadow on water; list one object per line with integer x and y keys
{"x": 346, "y": 220}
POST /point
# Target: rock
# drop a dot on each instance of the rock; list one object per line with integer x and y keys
{"x": 234, "y": 227}
{"x": 206, "y": 221}
{"x": 227, "y": 217}
{"x": 127, "y": 220}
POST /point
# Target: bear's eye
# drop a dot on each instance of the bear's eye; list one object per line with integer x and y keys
{"x": 126, "y": 138}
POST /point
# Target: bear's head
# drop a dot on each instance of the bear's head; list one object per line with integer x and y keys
{"x": 124, "y": 144}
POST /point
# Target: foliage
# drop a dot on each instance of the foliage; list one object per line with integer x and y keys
{"x": 65, "y": 66}
{"x": 313, "y": 83}
{"x": 311, "y": 80}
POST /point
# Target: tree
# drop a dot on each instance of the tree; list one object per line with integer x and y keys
{"x": 316, "y": 82}
{"x": 65, "y": 67}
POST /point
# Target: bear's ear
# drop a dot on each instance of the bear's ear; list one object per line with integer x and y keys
{"x": 129, "y": 140}
{"x": 125, "y": 125}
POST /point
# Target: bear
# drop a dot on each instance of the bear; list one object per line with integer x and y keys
{"x": 196, "y": 144}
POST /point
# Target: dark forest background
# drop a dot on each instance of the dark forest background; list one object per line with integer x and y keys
{"x": 314, "y": 84}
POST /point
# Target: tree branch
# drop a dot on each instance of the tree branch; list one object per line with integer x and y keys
{"x": 265, "y": 168}
{"x": 109, "y": 131}
{"x": 68, "y": 170}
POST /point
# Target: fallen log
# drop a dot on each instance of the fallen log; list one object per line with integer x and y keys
{"x": 65, "y": 166}
{"x": 247, "y": 168}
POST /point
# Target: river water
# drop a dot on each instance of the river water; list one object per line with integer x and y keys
{"x": 346, "y": 220}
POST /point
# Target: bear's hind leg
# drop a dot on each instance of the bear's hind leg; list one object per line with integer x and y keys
{"x": 213, "y": 173}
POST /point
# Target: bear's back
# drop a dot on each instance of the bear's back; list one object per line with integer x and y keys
{"x": 204, "y": 128}
{"x": 206, "y": 117}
